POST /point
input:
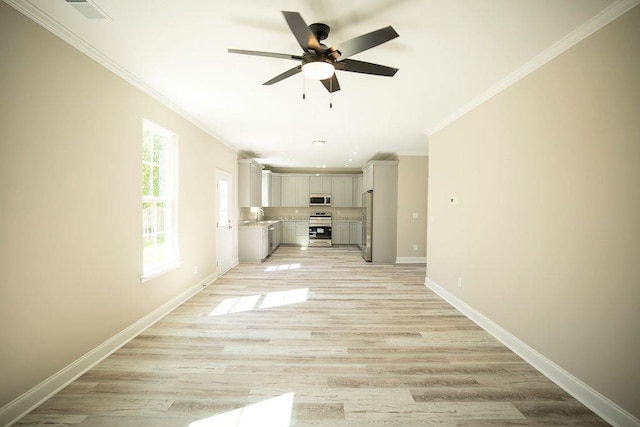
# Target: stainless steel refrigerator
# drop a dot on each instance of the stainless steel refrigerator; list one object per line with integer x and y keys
{"x": 367, "y": 224}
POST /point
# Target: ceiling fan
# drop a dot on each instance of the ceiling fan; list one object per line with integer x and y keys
{"x": 319, "y": 62}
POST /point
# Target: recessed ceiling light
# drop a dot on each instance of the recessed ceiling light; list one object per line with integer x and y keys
{"x": 355, "y": 153}
{"x": 318, "y": 142}
{"x": 324, "y": 166}
{"x": 351, "y": 160}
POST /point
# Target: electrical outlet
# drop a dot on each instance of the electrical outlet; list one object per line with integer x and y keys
{"x": 195, "y": 269}
{"x": 415, "y": 215}
{"x": 459, "y": 282}
{"x": 415, "y": 247}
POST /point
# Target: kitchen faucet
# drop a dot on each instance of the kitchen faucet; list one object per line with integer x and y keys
{"x": 258, "y": 211}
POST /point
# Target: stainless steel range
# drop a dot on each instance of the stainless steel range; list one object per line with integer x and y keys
{"x": 320, "y": 229}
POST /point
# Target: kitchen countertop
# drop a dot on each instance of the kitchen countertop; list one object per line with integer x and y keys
{"x": 258, "y": 224}
{"x": 271, "y": 221}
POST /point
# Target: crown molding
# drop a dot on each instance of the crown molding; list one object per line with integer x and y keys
{"x": 44, "y": 20}
{"x": 576, "y": 36}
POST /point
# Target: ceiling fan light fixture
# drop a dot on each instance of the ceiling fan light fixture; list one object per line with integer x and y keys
{"x": 317, "y": 69}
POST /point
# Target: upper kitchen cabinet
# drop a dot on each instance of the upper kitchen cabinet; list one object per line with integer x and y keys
{"x": 342, "y": 196}
{"x": 367, "y": 177}
{"x": 276, "y": 190}
{"x": 249, "y": 183}
{"x": 358, "y": 189}
{"x": 320, "y": 185}
{"x": 266, "y": 189}
{"x": 295, "y": 191}
{"x": 271, "y": 189}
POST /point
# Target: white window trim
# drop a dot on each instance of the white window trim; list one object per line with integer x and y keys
{"x": 165, "y": 268}
{"x": 176, "y": 262}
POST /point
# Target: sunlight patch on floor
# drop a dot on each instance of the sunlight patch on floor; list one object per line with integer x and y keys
{"x": 276, "y": 299}
{"x": 272, "y": 299}
{"x": 274, "y": 412}
{"x": 283, "y": 267}
{"x": 236, "y": 305}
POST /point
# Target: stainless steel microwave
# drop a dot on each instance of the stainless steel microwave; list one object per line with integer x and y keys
{"x": 320, "y": 200}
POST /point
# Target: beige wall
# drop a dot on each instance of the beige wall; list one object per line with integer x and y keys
{"x": 413, "y": 172}
{"x": 545, "y": 235}
{"x": 70, "y": 204}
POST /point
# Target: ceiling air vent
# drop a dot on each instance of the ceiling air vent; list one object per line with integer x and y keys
{"x": 88, "y": 10}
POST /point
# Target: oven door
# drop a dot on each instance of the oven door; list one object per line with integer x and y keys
{"x": 318, "y": 232}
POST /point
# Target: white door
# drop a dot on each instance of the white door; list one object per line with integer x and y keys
{"x": 223, "y": 222}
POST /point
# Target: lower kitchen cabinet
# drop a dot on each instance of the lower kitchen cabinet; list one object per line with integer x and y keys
{"x": 302, "y": 233}
{"x": 253, "y": 241}
{"x": 295, "y": 232}
{"x": 340, "y": 233}
{"x": 289, "y": 232}
{"x": 355, "y": 233}
{"x": 253, "y": 244}
{"x": 277, "y": 235}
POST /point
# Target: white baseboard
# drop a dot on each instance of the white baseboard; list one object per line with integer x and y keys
{"x": 31, "y": 399}
{"x": 601, "y": 405}
{"x": 411, "y": 260}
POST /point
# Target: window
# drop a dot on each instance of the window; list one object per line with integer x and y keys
{"x": 159, "y": 199}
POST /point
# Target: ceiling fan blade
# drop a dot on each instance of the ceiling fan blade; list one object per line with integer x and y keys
{"x": 366, "y": 41}
{"x": 288, "y": 73}
{"x": 331, "y": 84}
{"x": 267, "y": 54}
{"x": 365, "y": 68}
{"x": 301, "y": 31}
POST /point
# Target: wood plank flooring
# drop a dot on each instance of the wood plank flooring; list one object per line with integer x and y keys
{"x": 313, "y": 337}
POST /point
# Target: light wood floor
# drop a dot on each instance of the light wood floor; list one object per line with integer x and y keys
{"x": 313, "y": 338}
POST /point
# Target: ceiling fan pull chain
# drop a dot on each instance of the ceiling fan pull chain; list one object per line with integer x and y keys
{"x": 331, "y": 93}
{"x": 304, "y": 95}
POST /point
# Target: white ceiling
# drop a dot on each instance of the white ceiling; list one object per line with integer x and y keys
{"x": 451, "y": 54}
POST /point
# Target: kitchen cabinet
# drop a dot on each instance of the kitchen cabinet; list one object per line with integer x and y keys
{"x": 358, "y": 189}
{"x": 302, "y": 233}
{"x": 340, "y": 233}
{"x": 295, "y": 191}
{"x": 253, "y": 243}
{"x": 266, "y": 188}
{"x": 367, "y": 177}
{"x": 277, "y": 234}
{"x": 253, "y": 240}
{"x": 271, "y": 189}
{"x": 249, "y": 183}
{"x": 289, "y": 232}
{"x": 265, "y": 242}
{"x": 355, "y": 233}
{"x": 295, "y": 232}
{"x": 276, "y": 190}
{"x": 320, "y": 185}
{"x": 342, "y": 196}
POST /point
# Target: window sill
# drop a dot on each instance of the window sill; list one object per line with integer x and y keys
{"x": 160, "y": 271}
